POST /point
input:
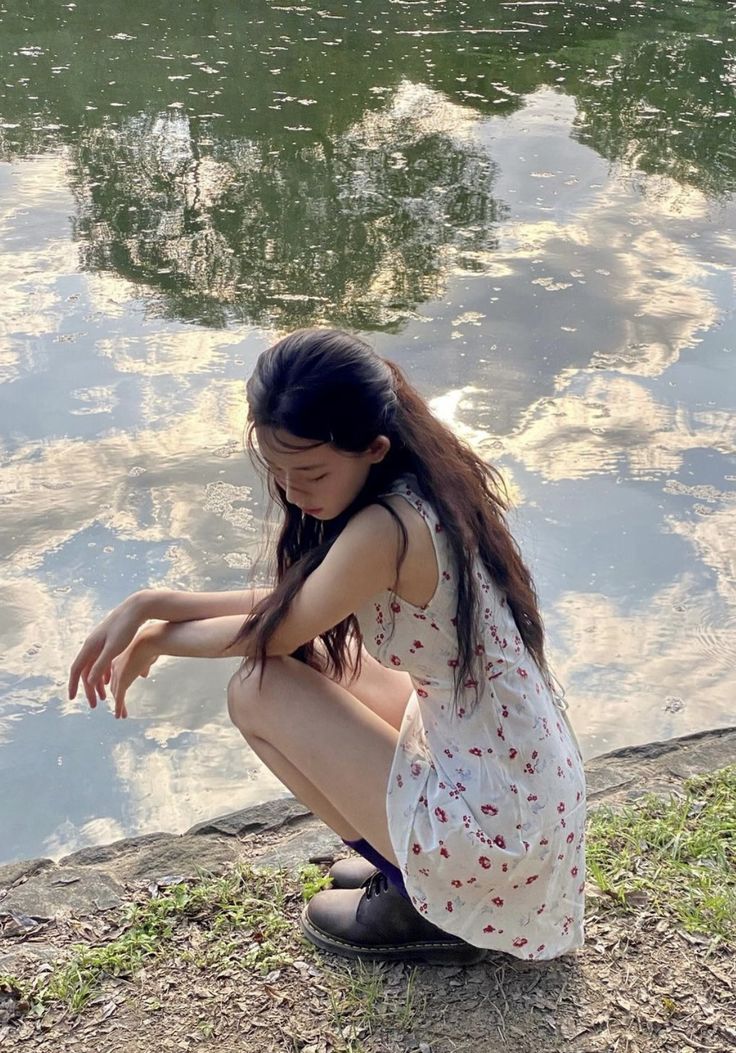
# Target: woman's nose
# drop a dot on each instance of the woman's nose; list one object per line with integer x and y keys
{"x": 292, "y": 492}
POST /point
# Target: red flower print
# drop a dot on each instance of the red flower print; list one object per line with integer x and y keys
{"x": 445, "y": 576}
{"x": 504, "y": 867}
{"x": 489, "y": 809}
{"x": 444, "y": 853}
{"x": 399, "y": 780}
{"x": 480, "y": 649}
{"x": 449, "y": 753}
{"x": 574, "y": 871}
{"x": 499, "y": 732}
{"x": 416, "y": 849}
{"x": 456, "y": 883}
{"x": 522, "y": 672}
{"x": 453, "y": 663}
{"x": 484, "y": 862}
{"x": 448, "y": 906}
{"x": 422, "y": 693}
{"x": 570, "y": 838}
{"x": 418, "y": 644}
{"x": 504, "y": 711}
{"x": 489, "y": 928}
{"x": 461, "y": 712}
{"x": 513, "y": 787}
{"x": 520, "y": 941}
{"x": 561, "y": 807}
{"x": 416, "y": 769}
{"x": 395, "y": 660}
{"x": 512, "y": 753}
{"x": 395, "y": 607}
{"x": 535, "y": 754}
{"x": 540, "y": 947}
{"x": 531, "y": 878}
{"x": 541, "y": 909}
{"x": 441, "y": 814}
{"x": 497, "y": 901}
{"x": 498, "y": 840}
{"x": 471, "y": 881}
{"x": 532, "y": 797}
{"x": 475, "y": 751}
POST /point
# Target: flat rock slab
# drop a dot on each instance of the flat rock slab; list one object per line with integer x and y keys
{"x": 25, "y": 868}
{"x": 64, "y": 890}
{"x": 267, "y": 816}
{"x": 313, "y": 844}
{"x": 657, "y": 767}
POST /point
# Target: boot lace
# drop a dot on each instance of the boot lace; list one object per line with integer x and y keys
{"x": 376, "y": 884}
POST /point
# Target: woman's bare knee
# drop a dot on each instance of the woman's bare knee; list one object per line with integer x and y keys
{"x": 244, "y": 693}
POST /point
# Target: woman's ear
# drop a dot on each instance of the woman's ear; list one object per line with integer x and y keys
{"x": 379, "y": 448}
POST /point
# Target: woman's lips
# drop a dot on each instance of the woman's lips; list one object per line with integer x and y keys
{"x": 312, "y": 511}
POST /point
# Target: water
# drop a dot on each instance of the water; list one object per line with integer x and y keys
{"x": 529, "y": 206}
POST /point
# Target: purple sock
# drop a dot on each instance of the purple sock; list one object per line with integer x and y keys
{"x": 374, "y": 856}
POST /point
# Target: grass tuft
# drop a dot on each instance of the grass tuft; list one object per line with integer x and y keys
{"x": 679, "y": 852}
{"x": 247, "y": 902}
{"x": 312, "y": 881}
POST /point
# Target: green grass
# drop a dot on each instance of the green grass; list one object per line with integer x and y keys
{"x": 680, "y": 853}
{"x": 246, "y": 902}
{"x": 313, "y": 880}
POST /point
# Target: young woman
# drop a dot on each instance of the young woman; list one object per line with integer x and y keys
{"x": 394, "y": 678}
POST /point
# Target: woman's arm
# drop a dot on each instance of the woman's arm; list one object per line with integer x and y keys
{"x": 169, "y": 605}
{"x": 206, "y": 638}
{"x": 113, "y": 635}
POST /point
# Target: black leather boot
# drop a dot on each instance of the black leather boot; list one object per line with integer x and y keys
{"x": 351, "y": 872}
{"x": 375, "y": 922}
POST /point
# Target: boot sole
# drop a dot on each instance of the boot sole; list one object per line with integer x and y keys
{"x": 439, "y": 952}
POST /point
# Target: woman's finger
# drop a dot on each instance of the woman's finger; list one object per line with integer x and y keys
{"x": 120, "y": 702}
{"x": 88, "y": 690}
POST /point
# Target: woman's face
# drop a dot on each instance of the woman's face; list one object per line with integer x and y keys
{"x": 320, "y": 480}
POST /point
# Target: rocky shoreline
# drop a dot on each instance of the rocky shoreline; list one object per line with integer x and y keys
{"x": 281, "y": 833}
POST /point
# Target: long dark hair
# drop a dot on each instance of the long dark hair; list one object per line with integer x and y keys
{"x": 331, "y": 387}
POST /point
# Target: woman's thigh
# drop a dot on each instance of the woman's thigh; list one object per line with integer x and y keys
{"x": 337, "y": 743}
{"x": 385, "y": 691}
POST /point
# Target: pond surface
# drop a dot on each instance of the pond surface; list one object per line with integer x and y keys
{"x": 528, "y": 205}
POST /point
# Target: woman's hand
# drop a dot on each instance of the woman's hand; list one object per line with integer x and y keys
{"x": 136, "y": 660}
{"x": 110, "y": 638}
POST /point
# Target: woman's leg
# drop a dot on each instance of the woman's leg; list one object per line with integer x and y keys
{"x": 331, "y": 749}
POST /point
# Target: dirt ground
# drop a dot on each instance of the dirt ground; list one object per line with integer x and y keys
{"x": 640, "y": 984}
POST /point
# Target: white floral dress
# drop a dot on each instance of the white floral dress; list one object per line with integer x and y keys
{"x": 486, "y": 809}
